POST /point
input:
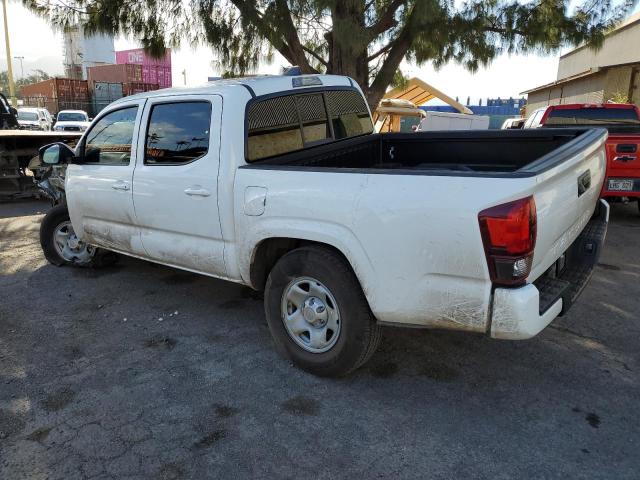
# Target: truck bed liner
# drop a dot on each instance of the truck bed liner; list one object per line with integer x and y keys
{"x": 472, "y": 153}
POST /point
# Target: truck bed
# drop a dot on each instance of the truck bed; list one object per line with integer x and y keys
{"x": 475, "y": 153}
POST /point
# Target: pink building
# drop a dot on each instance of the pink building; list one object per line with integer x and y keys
{"x": 154, "y": 70}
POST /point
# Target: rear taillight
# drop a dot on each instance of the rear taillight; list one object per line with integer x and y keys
{"x": 509, "y": 238}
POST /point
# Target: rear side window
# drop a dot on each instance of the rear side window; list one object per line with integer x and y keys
{"x": 178, "y": 133}
{"x": 288, "y": 123}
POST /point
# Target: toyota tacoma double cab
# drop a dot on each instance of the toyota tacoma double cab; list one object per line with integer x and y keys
{"x": 622, "y": 121}
{"x": 280, "y": 184}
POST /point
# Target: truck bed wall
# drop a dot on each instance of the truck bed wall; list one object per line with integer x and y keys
{"x": 471, "y": 151}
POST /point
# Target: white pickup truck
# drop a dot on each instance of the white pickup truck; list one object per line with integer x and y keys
{"x": 278, "y": 183}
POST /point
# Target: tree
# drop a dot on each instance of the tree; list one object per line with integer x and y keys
{"x": 35, "y": 77}
{"x": 365, "y": 39}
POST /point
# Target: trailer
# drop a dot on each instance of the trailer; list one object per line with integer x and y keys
{"x": 17, "y": 149}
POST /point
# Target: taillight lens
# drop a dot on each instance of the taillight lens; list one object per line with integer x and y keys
{"x": 509, "y": 238}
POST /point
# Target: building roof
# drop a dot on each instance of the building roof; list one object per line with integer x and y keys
{"x": 586, "y": 73}
{"x": 630, "y": 21}
{"x": 420, "y": 92}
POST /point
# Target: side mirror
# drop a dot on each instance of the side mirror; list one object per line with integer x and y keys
{"x": 13, "y": 111}
{"x": 55, "y": 154}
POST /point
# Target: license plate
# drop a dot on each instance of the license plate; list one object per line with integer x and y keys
{"x": 621, "y": 185}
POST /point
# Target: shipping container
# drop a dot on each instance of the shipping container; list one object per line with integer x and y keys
{"x": 154, "y": 70}
{"x": 138, "y": 87}
{"x": 58, "y": 94}
{"x": 104, "y": 93}
{"x": 114, "y": 74}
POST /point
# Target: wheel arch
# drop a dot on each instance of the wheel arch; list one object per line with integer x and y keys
{"x": 269, "y": 250}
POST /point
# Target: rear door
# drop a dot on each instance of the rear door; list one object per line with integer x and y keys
{"x": 175, "y": 192}
{"x": 98, "y": 188}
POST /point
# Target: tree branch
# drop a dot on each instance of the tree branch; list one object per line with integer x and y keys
{"x": 315, "y": 55}
{"x": 383, "y": 50}
{"x": 387, "y": 19}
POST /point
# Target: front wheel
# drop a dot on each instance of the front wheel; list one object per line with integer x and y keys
{"x": 317, "y": 312}
{"x": 61, "y": 246}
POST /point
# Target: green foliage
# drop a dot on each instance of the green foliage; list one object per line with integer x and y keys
{"x": 619, "y": 97}
{"x": 37, "y": 76}
{"x": 366, "y": 39}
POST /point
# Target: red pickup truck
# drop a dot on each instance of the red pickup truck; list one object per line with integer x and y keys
{"x": 622, "y": 120}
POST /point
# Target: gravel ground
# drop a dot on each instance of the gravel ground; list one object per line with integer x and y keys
{"x": 141, "y": 371}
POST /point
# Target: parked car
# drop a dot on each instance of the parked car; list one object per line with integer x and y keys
{"x": 623, "y": 144}
{"x": 31, "y": 118}
{"x": 513, "y": 123}
{"x": 72, "y": 121}
{"x": 434, "y": 121}
{"x": 287, "y": 189}
{"x": 8, "y": 120}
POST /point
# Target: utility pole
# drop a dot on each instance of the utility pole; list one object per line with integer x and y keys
{"x": 12, "y": 87}
{"x": 184, "y": 74}
{"x": 21, "y": 66}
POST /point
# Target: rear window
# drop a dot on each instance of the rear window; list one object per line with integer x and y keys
{"x": 292, "y": 122}
{"x": 29, "y": 116}
{"x": 594, "y": 116}
{"x": 72, "y": 117}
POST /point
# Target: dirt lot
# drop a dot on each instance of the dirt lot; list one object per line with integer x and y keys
{"x": 140, "y": 371}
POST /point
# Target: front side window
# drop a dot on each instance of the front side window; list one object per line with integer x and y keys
{"x": 109, "y": 140}
{"x": 178, "y": 133}
{"x": 288, "y": 123}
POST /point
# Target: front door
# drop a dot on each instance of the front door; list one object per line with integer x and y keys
{"x": 98, "y": 186}
{"x": 175, "y": 189}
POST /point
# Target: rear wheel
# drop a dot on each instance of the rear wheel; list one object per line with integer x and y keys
{"x": 317, "y": 312}
{"x": 61, "y": 246}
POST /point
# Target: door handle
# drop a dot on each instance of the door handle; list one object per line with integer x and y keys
{"x": 120, "y": 186}
{"x": 197, "y": 191}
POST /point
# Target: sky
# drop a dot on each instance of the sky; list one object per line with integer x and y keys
{"x": 32, "y": 38}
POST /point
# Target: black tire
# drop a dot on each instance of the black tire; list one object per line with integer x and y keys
{"x": 54, "y": 217}
{"x": 359, "y": 334}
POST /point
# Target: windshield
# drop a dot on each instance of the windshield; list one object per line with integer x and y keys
{"x": 611, "y": 118}
{"x": 30, "y": 116}
{"x": 71, "y": 117}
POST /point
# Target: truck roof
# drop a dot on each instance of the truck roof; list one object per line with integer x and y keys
{"x": 579, "y": 106}
{"x": 256, "y": 86}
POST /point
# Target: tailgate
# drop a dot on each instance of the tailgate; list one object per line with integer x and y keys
{"x": 566, "y": 194}
{"x": 623, "y": 164}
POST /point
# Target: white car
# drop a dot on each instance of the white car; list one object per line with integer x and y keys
{"x": 72, "y": 121}
{"x": 434, "y": 121}
{"x": 33, "y": 118}
{"x": 280, "y": 184}
{"x": 513, "y": 123}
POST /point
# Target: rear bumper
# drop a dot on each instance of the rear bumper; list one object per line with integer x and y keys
{"x": 521, "y": 313}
